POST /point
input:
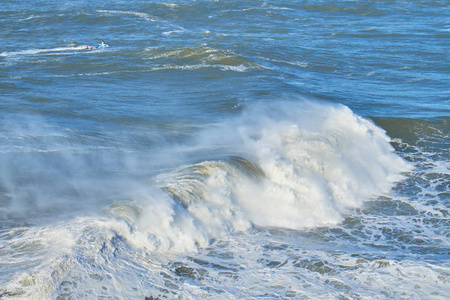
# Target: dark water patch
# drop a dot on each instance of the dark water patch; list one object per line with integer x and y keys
{"x": 430, "y": 135}
{"x": 389, "y": 207}
{"x": 273, "y": 263}
{"x": 317, "y": 266}
{"x": 227, "y": 256}
{"x": 188, "y": 272}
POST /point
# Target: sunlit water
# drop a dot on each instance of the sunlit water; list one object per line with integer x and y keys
{"x": 224, "y": 150}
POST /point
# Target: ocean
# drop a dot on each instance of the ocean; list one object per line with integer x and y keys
{"x": 225, "y": 149}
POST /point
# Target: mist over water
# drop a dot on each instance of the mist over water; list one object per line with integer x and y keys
{"x": 228, "y": 150}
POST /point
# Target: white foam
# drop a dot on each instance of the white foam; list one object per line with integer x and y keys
{"x": 125, "y": 12}
{"x": 173, "y": 31}
{"x": 38, "y": 51}
{"x": 171, "y": 5}
{"x": 31, "y": 17}
{"x": 239, "y": 68}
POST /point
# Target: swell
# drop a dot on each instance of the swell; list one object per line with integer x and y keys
{"x": 424, "y": 135}
{"x": 400, "y": 127}
{"x": 425, "y": 143}
{"x": 198, "y": 57}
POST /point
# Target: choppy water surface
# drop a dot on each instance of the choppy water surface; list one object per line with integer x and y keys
{"x": 224, "y": 149}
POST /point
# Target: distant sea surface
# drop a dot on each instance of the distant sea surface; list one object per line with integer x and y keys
{"x": 225, "y": 149}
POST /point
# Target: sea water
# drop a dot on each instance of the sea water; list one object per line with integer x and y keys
{"x": 224, "y": 149}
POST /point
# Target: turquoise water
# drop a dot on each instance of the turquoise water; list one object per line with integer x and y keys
{"x": 224, "y": 149}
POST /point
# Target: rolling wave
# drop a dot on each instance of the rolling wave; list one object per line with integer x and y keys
{"x": 199, "y": 57}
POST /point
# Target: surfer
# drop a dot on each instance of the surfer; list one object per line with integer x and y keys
{"x": 103, "y": 45}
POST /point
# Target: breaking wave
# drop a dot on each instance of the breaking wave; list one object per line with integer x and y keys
{"x": 287, "y": 164}
{"x": 294, "y": 166}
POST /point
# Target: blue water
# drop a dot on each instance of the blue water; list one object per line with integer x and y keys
{"x": 224, "y": 149}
